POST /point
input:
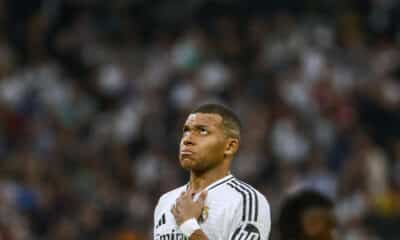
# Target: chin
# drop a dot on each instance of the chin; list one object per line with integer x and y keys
{"x": 187, "y": 164}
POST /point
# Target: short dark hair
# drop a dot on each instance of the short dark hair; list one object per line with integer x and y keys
{"x": 293, "y": 208}
{"x": 231, "y": 122}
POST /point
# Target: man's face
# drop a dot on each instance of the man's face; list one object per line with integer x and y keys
{"x": 203, "y": 142}
{"x": 319, "y": 223}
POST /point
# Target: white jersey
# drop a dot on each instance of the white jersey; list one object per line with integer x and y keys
{"x": 233, "y": 211}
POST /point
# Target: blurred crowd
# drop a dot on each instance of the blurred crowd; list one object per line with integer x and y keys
{"x": 93, "y": 95}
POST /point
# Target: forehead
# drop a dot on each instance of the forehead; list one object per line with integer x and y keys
{"x": 206, "y": 119}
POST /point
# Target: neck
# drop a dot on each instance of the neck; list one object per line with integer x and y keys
{"x": 199, "y": 181}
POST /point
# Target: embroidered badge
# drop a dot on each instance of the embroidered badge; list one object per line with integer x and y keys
{"x": 204, "y": 214}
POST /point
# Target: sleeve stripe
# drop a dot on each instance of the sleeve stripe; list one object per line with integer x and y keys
{"x": 242, "y": 235}
{"x": 255, "y": 196}
{"x": 235, "y": 234}
{"x": 244, "y": 200}
{"x": 253, "y": 237}
{"x": 250, "y": 196}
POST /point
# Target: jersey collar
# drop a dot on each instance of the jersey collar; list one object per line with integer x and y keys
{"x": 217, "y": 183}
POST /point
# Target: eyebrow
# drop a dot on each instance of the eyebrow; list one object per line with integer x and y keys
{"x": 198, "y": 126}
{"x": 201, "y": 126}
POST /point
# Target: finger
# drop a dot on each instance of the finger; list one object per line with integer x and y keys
{"x": 202, "y": 198}
{"x": 189, "y": 192}
{"x": 174, "y": 211}
{"x": 178, "y": 203}
{"x": 181, "y": 195}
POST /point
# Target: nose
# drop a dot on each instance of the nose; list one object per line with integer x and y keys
{"x": 187, "y": 140}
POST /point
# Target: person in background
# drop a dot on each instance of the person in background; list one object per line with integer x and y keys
{"x": 307, "y": 215}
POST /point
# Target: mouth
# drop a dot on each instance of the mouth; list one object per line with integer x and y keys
{"x": 186, "y": 153}
{"x": 187, "y": 159}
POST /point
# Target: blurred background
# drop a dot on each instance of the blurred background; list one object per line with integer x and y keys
{"x": 93, "y": 95}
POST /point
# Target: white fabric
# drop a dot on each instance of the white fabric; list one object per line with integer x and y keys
{"x": 189, "y": 227}
{"x": 224, "y": 220}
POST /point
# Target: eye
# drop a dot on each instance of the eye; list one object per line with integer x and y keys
{"x": 203, "y": 131}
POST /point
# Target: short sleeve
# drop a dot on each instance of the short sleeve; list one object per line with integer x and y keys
{"x": 244, "y": 228}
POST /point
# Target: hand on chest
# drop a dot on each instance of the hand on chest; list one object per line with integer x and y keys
{"x": 212, "y": 213}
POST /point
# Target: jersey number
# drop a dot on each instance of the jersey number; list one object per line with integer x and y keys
{"x": 246, "y": 232}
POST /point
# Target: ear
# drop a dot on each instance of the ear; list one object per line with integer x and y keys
{"x": 232, "y": 146}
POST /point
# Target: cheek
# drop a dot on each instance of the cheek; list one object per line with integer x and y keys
{"x": 214, "y": 150}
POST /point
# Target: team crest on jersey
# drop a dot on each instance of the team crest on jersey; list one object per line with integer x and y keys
{"x": 204, "y": 214}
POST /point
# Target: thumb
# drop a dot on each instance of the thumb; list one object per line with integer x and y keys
{"x": 202, "y": 198}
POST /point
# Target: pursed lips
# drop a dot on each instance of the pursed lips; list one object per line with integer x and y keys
{"x": 186, "y": 153}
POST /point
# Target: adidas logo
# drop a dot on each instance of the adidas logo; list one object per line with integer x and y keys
{"x": 161, "y": 221}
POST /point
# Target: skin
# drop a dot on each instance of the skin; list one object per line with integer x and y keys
{"x": 189, "y": 207}
{"x": 319, "y": 224}
{"x": 206, "y": 152}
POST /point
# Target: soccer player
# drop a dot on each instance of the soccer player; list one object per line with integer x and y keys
{"x": 213, "y": 205}
{"x": 307, "y": 215}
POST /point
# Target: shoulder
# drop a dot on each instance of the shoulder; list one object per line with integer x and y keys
{"x": 248, "y": 200}
{"x": 243, "y": 190}
{"x": 248, "y": 210}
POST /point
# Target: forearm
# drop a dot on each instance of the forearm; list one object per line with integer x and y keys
{"x": 198, "y": 235}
